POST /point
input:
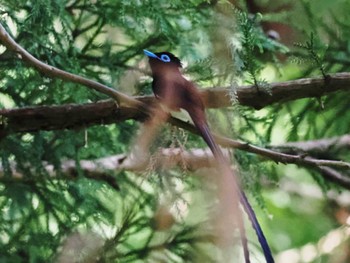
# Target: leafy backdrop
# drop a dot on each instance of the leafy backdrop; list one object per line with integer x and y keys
{"x": 274, "y": 79}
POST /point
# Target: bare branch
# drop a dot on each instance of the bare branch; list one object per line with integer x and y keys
{"x": 69, "y": 116}
{"x": 100, "y": 168}
{"x": 315, "y": 147}
{"x": 278, "y": 92}
{"x": 46, "y": 69}
{"x": 104, "y": 168}
{"x": 267, "y": 153}
{"x": 334, "y": 176}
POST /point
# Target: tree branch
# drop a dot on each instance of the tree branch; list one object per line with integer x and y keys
{"x": 334, "y": 176}
{"x": 322, "y": 147}
{"x": 294, "y": 89}
{"x": 69, "y": 116}
{"x": 107, "y": 111}
{"x": 300, "y": 159}
{"x": 103, "y": 167}
{"x": 51, "y": 71}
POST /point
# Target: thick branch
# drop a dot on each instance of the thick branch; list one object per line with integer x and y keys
{"x": 70, "y": 116}
{"x": 278, "y": 92}
{"x": 292, "y": 90}
{"x": 107, "y": 111}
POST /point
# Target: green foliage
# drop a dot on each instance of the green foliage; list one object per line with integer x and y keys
{"x": 255, "y": 43}
{"x": 103, "y": 41}
{"x": 315, "y": 54}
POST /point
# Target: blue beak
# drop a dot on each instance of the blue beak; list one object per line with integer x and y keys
{"x": 149, "y": 54}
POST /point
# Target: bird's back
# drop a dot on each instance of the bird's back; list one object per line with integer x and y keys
{"x": 177, "y": 93}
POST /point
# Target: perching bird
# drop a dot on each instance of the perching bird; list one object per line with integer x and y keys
{"x": 176, "y": 92}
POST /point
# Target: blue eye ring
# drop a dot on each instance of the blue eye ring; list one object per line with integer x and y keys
{"x": 165, "y": 58}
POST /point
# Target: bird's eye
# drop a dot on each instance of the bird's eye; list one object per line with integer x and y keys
{"x": 165, "y": 58}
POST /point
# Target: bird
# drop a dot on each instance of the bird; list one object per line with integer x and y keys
{"x": 175, "y": 92}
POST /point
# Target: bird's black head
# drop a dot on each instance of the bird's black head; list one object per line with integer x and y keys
{"x": 163, "y": 57}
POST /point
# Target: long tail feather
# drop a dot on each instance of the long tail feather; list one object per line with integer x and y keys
{"x": 207, "y": 136}
{"x": 261, "y": 237}
{"x": 244, "y": 240}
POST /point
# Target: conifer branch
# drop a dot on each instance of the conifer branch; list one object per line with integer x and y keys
{"x": 52, "y": 71}
{"x": 106, "y": 111}
{"x": 104, "y": 168}
{"x": 99, "y": 168}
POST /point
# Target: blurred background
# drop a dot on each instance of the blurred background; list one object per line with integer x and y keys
{"x": 65, "y": 195}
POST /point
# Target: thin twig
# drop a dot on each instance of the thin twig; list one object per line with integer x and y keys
{"x": 315, "y": 147}
{"x": 334, "y": 176}
{"x": 267, "y": 153}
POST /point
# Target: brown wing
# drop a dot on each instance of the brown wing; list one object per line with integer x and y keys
{"x": 190, "y": 98}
